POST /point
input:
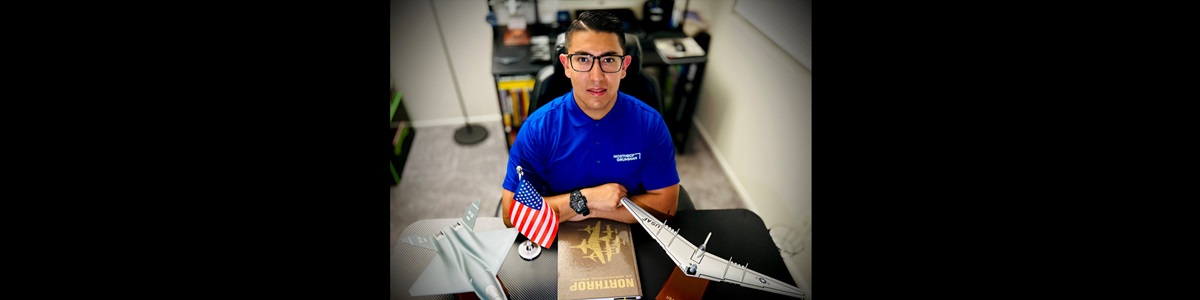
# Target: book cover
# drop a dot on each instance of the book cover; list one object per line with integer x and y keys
{"x": 514, "y": 100}
{"x": 516, "y": 33}
{"x": 682, "y": 287}
{"x": 507, "y": 114}
{"x": 596, "y": 261}
{"x": 525, "y": 109}
{"x": 516, "y": 37}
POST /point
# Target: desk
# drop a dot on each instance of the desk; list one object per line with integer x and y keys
{"x": 735, "y": 232}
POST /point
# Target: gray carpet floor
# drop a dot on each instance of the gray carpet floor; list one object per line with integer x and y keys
{"x": 442, "y": 177}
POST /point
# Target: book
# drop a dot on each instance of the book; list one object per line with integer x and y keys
{"x": 596, "y": 261}
{"x": 516, "y": 33}
{"x": 682, "y": 287}
{"x": 504, "y": 110}
{"x": 514, "y": 100}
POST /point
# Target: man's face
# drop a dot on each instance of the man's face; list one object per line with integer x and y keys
{"x": 595, "y": 90}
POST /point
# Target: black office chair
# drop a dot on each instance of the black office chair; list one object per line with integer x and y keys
{"x": 552, "y": 82}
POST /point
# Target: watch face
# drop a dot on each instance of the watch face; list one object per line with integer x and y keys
{"x": 577, "y": 203}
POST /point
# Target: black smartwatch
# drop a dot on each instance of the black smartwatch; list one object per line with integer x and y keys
{"x": 579, "y": 203}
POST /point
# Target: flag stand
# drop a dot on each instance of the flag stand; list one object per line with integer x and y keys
{"x": 528, "y": 250}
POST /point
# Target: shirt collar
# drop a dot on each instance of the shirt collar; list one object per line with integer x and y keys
{"x": 579, "y": 118}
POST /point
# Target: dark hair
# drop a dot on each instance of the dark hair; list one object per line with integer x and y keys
{"x": 598, "y": 21}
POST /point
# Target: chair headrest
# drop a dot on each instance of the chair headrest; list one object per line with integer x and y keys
{"x": 632, "y": 48}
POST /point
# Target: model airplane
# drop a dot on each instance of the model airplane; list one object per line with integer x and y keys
{"x": 695, "y": 262}
{"x": 466, "y": 260}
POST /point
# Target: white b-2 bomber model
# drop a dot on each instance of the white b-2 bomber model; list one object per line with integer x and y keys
{"x": 695, "y": 262}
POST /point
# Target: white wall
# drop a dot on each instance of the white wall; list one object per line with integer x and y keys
{"x": 420, "y": 69}
{"x": 755, "y": 108}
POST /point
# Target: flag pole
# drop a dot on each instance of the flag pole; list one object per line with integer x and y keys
{"x": 528, "y": 250}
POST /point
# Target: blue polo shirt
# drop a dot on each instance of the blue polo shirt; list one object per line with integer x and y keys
{"x": 561, "y": 149}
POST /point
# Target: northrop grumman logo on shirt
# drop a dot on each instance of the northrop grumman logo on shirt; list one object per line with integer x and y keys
{"x": 628, "y": 157}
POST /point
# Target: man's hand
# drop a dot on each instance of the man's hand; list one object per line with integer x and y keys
{"x": 605, "y": 197}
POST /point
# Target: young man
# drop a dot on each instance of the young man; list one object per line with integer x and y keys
{"x": 587, "y": 149}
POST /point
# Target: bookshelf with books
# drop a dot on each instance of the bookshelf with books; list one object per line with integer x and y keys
{"x": 513, "y": 93}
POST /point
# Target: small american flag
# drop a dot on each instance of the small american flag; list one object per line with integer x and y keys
{"x": 531, "y": 216}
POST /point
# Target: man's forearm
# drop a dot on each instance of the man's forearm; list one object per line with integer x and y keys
{"x": 562, "y": 205}
{"x": 559, "y": 203}
{"x": 622, "y": 215}
{"x": 662, "y": 203}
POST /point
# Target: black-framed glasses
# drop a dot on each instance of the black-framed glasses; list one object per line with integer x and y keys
{"x": 584, "y": 62}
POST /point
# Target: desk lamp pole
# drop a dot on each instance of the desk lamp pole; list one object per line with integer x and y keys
{"x": 469, "y": 134}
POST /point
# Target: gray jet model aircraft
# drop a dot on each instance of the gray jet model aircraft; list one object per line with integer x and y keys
{"x": 466, "y": 260}
{"x": 695, "y": 262}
